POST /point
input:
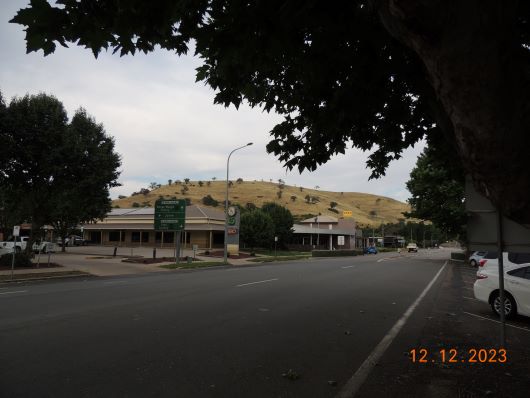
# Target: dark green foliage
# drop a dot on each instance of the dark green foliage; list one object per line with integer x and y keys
{"x": 122, "y": 196}
{"x": 437, "y": 192}
{"x": 257, "y": 229}
{"x": 315, "y": 64}
{"x": 209, "y": 201}
{"x": 283, "y": 222}
{"x": 136, "y": 204}
{"x": 333, "y": 204}
{"x": 21, "y": 260}
{"x": 333, "y": 210}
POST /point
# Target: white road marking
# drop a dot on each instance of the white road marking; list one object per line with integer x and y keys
{"x": 358, "y": 378}
{"x": 493, "y": 320}
{"x": 254, "y": 283}
{"x": 15, "y": 291}
{"x": 348, "y": 266}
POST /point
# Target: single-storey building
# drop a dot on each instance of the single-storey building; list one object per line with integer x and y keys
{"x": 325, "y": 233}
{"x": 135, "y": 227}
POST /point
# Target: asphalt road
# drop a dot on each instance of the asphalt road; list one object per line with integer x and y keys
{"x": 232, "y": 332}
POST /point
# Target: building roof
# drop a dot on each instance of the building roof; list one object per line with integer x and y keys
{"x": 192, "y": 211}
{"x": 306, "y": 229}
{"x": 320, "y": 219}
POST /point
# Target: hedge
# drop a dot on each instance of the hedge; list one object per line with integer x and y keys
{"x": 21, "y": 260}
{"x": 336, "y": 253}
{"x": 458, "y": 256}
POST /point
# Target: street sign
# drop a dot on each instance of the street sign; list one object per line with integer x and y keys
{"x": 170, "y": 214}
{"x": 347, "y": 213}
{"x": 16, "y": 230}
{"x": 340, "y": 240}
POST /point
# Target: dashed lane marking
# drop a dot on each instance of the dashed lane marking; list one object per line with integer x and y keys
{"x": 255, "y": 283}
{"x": 15, "y": 291}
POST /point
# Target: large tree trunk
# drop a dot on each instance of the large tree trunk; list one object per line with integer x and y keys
{"x": 476, "y": 65}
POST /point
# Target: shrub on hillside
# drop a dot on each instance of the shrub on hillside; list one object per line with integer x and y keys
{"x": 209, "y": 201}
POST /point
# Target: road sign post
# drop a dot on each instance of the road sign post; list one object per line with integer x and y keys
{"x": 170, "y": 215}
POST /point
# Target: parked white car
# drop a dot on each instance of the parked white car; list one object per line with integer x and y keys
{"x": 476, "y": 257}
{"x": 43, "y": 247}
{"x": 516, "y": 285}
{"x": 509, "y": 259}
{"x": 20, "y": 244}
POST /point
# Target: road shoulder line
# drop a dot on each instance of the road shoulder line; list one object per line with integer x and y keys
{"x": 355, "y": 382}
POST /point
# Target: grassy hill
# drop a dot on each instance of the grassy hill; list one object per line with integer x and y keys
{"x": 367, "y": 209}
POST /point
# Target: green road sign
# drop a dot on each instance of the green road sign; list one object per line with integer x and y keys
{"x": 170, "y": 214}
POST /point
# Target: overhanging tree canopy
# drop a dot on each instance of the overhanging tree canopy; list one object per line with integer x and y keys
{"x": 376, "y": 75}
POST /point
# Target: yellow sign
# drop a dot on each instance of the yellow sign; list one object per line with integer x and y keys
{"x": 347, "y": 213}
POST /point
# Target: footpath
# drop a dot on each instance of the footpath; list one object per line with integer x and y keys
{"x": 102, "y": 261}
{"x": 449, "y": 318}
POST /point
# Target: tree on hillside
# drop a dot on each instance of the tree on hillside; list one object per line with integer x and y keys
{"x": 369, "y": 74}
{"x": 332, "y": 204}
{"x": 239, "y": 180}
{"x": 186, "y": 181}
{"x": 436, "y": 185}
{"x": 282, "y": 220}
{"x": 293, "y": 198}
{"x": 214, "y": 178}
{"x": 153, "y": 185}
{"x": 200, "y": 183}
{"x": 257, "y": 229}
{"x": 169, "y": 182}
{"x": 67, "y": 183}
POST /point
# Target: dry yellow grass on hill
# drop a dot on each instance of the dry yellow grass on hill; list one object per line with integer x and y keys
{"x": 367, "y": 209}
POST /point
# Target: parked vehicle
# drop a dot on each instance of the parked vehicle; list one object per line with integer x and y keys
{"x": 43, "y": 247}
{"x": 370, "y": 250}
{"x": 475, "y": 257}
{"x": 20, "y": 244}
{"x": 510, "y": 259}
{"x": 412, "y": 247}
{"x": 73, "y": 240}
{"x": 516, "y": 285}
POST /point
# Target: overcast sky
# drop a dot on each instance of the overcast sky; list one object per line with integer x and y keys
{"x": 165, "y": 125}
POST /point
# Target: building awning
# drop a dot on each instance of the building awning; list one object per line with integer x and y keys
{"x": 148, "y": 227}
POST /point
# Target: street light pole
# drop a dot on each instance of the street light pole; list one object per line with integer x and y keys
{"x": 225, "y": 255}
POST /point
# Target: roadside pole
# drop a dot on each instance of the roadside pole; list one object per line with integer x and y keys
{"x": 13, "y": 260}
{"x": 16, "y": 232}
{"x": 178, "y": 247}
{"x": 502, "y": 296}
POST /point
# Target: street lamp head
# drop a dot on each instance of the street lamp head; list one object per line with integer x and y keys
{"x": 250, "y": 143}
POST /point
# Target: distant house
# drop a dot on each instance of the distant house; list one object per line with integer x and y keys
{"x": 324, "y": 232}
{"x": 135, "y": 227}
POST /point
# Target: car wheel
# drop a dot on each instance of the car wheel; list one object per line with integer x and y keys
{"x": 510, "y": 308}
{"x": 473, "y": 263}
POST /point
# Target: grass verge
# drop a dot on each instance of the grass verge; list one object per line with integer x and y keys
{"x": 42, "y": 275}
{"x": 279, "y": 258}
{"x": 198, "y": 264}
